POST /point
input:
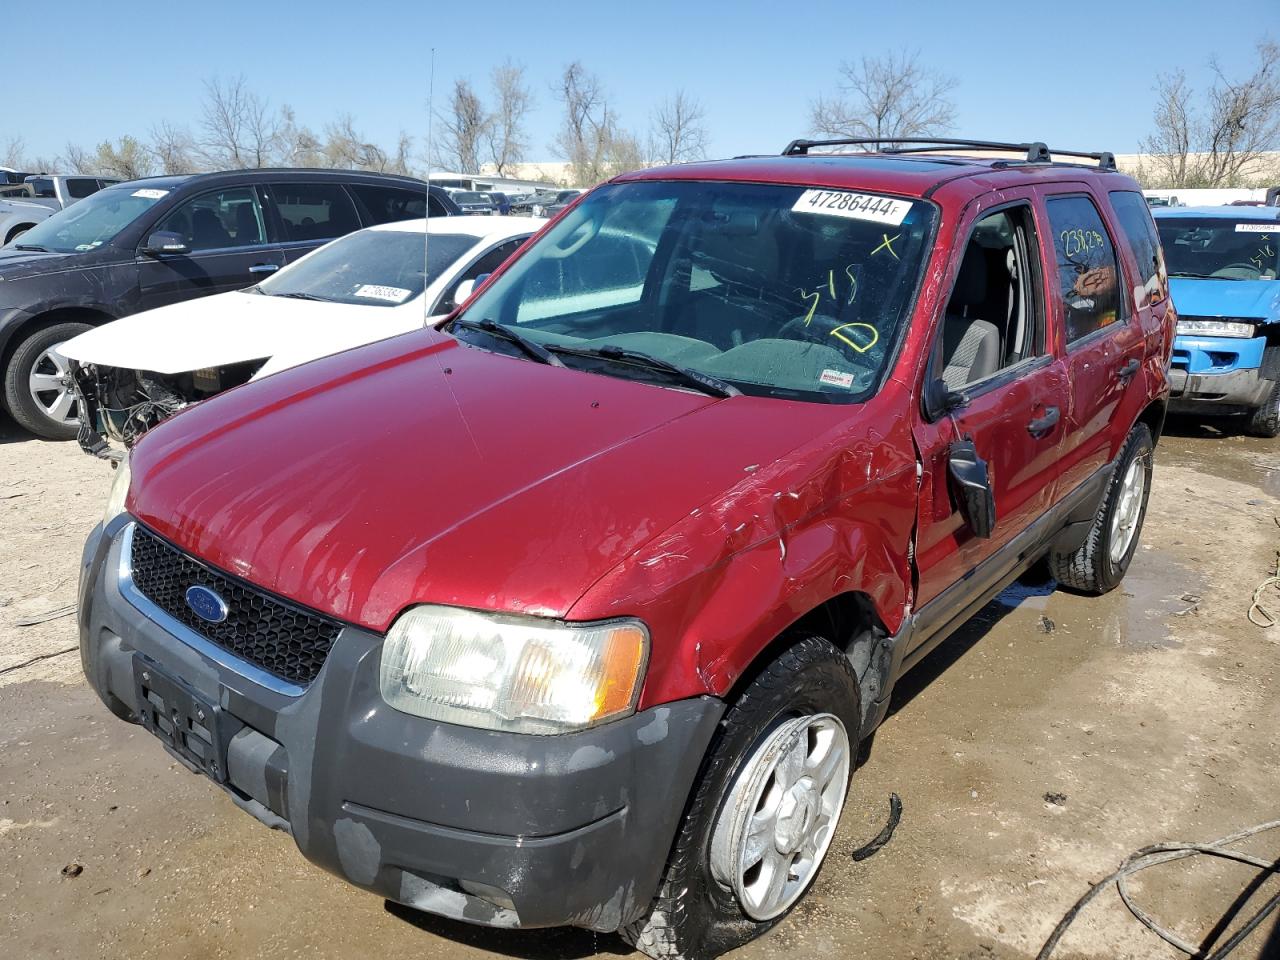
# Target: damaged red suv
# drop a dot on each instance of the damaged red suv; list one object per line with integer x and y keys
{"x": 576, "y": 609}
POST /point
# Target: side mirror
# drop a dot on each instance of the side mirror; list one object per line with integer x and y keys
{"x": 466, "y": 288}
{"x": 940, "y": 400}
{"x": 971, "y": 486}
{"x": 166, "y": 242}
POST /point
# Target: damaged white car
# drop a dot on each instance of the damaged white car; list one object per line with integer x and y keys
{"x": 376, "y": 283}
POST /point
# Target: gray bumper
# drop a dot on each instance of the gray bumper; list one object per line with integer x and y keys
{"x": 492, "y": 828}
{"x": 1198, "y": 392}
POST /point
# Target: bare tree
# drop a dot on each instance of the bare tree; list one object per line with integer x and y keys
{"x": 466, "y": 126}
{"x": 80, "y": 160}
{"x": 506, "y": 135}
{"x": 298, "y": 144}
{"x": 173, "y": 148}
{"x": 240, "y": 129}
{"x": 591, "y": 139}
{"x": 12, "y": 152}
{"x": 678, "y": 132}
{"x": 401, "y": 162}
{"x": 345, "y": 147}
{"x": 127, "y": 159}
{"x": 886, "y": 99}
{"x": 1218, "y": 138}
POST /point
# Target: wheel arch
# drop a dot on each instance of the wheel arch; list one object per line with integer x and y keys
{"x": 1153, "y": 415}
{"x": 15, "y": 333}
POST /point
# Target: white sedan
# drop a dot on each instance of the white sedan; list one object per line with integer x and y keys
{"x": 369, "y": 285}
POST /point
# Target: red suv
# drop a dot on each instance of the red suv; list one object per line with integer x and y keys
{"x": 576, "y": 609}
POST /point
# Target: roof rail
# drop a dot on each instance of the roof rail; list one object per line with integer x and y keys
{"x": 1036, "y": 151}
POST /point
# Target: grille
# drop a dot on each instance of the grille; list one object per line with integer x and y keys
{"x": 283, "y": 639}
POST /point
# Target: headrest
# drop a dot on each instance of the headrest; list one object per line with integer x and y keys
{"x": 971, "y": 280}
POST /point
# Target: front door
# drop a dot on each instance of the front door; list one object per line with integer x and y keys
{"x": 228, "y": 246}
{"x": 1008, "y": 393}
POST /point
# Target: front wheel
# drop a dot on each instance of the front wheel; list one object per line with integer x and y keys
{"x": 37, "y": 383}
{"x": 1099, "y": 564}
{"x": 764, "y": 810}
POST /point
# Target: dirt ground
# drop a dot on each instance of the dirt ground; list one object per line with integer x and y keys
{"x": 1034, "y": 750}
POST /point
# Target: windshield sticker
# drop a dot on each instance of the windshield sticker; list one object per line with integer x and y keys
{"x": 149, "y": 194}
{"x": 854, "y": 206}
{"x": 1256, "y": 227}
{"x": 374, "y": 291}
{"x": 835, "y": 378}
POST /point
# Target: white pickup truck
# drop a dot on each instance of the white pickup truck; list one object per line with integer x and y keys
{"x": 41, "y": 196}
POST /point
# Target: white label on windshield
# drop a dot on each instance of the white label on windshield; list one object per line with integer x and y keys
{"x": 1257, "y": 227}
{"x": 836, "y": 379}
{"x": 855, "y": 206}
{"x": 150, "y": 194}
{"x": 373, "y": 291}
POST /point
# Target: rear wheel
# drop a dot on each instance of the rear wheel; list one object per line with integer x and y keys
{"x": 1099, "y": 564}
{"x": 1265, "y": 421}
{"x": 37, "y": 383}
{"x": 764, "y": 811}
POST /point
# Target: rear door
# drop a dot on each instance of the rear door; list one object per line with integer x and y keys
{"x": 225, "y": 230}
{"x": 1099, "y": 327}
{"x": 309, "y": 214}
{"x": 1011, "y": 407}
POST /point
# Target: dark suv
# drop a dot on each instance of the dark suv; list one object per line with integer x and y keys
{"x": 151, "y": 242}
{"x": 592, "y": 629}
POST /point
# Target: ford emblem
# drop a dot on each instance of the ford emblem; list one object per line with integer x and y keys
{"x": 206, "y": 604}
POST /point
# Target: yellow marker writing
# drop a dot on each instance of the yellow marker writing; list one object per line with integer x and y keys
{"x": 860, "y": 347}
{"x": 887, "y": 245}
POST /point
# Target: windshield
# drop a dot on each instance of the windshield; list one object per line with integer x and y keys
{"x": 93, "y": 221}
{"x": 380, "y": 268}
{"x": 777, "y": 290}
{"x": 462, "y": 196}
{"x": 1223, "y": 248}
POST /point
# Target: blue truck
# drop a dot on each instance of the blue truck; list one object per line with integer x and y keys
{"x": 1223, "y": 264}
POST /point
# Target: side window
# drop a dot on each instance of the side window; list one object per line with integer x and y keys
{"x": 435, "y": 208}
{"x": 389, "y": 204}
{"x": 488, "y": 263}
{"x": 994, "y": 317}
{"x": 80, "y": 187}
{"x": 223, "y": 218}
{"x": 1088, "y": 288}
{"x": 314, "y": 211}
{"x": 603, "y": 265}
{"x": 1140, "y": 232}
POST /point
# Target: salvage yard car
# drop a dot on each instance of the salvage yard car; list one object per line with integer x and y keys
{"x": 162, "y": 240}
{"x": 43, "y": 195}
{"x": 132, "y": 373}
{"x": 577, "y": 609}
{"x": 1223, "y": 264}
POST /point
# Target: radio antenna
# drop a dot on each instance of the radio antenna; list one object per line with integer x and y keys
{"x": 426, "y": 208}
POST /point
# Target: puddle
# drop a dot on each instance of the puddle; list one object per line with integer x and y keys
{"x": 1147, "y": 609}
{"x": 1252, "y": 461}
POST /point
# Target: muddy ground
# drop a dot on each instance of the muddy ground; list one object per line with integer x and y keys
{"x": 1032, "y": 751}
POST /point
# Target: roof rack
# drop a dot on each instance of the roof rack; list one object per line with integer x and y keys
{"x": 1036, "y": 151}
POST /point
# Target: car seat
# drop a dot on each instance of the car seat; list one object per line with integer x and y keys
{"x": 970, "y": 344}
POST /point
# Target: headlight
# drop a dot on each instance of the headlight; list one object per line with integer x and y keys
{"x": 1214, "y": 328}
{"x": 119, "y": 490}
{"x": 519, "y": 674}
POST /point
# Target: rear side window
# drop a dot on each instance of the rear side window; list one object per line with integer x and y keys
{"x": 389, "y": 204}
{"x": 80, "y": 187}
{"x": 1140, "y": 232}
{"x": 1088, "y": 287}
{"x": 314, "y": 211}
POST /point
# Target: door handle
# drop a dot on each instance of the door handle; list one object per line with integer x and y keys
{"x": 1042, "y": 425}
{"x": 1128, "y": 370}
{"x": 264, "y": 268}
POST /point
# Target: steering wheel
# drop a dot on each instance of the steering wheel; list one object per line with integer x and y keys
{"x": 1252, "y": 267}
{"x": 854, "y": 338}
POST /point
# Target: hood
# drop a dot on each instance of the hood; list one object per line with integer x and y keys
{"x": 421, "y": 470}
{"x": 20, "y": 264}
{"x": 234, "y": 327}
{"x": 1247, "y": 299}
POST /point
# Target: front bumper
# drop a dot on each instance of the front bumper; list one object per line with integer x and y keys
{"x": 491, "y": 828}
{"x": 1226, "y": 373}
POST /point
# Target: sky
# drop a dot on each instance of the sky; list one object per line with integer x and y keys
{"x": 1077, "y": 76}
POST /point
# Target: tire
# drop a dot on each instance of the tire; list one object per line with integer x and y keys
{"x": 1099, "y": 564}
{"x": 805, "y": 698}
{"x": 22, "y": 402}
{"x": 1265, "y": 421}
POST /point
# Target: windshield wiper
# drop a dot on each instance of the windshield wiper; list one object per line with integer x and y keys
{"x": 529, "y": 348}
{"x": 297, "y": 295}
{"x": 704, "y": 382}
{"x": 31, "y": 246}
